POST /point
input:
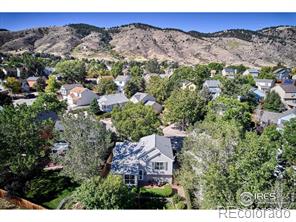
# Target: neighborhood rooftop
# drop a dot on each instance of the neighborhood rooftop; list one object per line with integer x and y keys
{"x": 113, "y": 99}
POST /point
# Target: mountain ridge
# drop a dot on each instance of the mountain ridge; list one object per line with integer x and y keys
{"x": 139, "y": 41}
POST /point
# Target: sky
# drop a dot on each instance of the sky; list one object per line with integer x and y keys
{"x": 203, "y": 22}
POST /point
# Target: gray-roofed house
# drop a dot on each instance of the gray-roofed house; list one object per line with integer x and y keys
{"x": 287, "y": 92}
{"x": 213, "y": 87}
{"x": 148, "y": 161}
{"x": 155, "y": 106}
{"x": 32, "y": 80}
{"x": 141, "y": 97}
{"x": 282, "y": 74}
{"x": 108, "y": 102}
{"x": 264, "y": 84}
{"x": 66, "y": 88}
{"x": 253, "y": 72}
{"x": 278, "y": 119}
{"x": 229, "y": 72}
{"x": 121, "y": 81}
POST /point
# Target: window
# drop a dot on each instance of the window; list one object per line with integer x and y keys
{"x": 129, "y": 179}
{"x": 140, "y": 175}
{"x": 160, "y": 165}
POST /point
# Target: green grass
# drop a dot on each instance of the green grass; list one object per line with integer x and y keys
{"x": 165, "y": 191}
{"x": 53, "y": 204}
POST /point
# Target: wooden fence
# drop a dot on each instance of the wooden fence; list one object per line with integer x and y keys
{"x": 22, "y": 203}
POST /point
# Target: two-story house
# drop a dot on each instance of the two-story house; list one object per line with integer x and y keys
{"x": 66, "y": 88}
{"x": 148, "y": 161}
{"x": 253, "y": 72}
{"x": 121, "y": 81}
{"x": 282, "y": 74}
{"x": 148, "y": 100}
{"x": 229, "y": 72}
{"x": 213, "y": 86}
{"x": 108, "y": 102}
{"x": 287, "y": 92}
{"x": 264, "y": 84}
{"x": 80, "y": 96}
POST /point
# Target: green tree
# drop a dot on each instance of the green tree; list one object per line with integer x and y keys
{"x": 135, "y": 84}
{"x": 49, "y": 102}
{"x": 116, "y": 69}
{"x": 52, "y": 85}
{"x": 152, "y": 66}
{"x": 266, "y": 72}
{"x": 108, "y": 193}
{"x": 134, "y": 121}
{"x": 136, "y": 71}
{"x": 22, "y": 147}
{"x": 159, "y": 88}
{"x": 184, "y": 107}
{"x": 40, "y": 85}
{"x": 90, "y": 145}
{"x": 239, "y": 86}
{"x": 71, "y": 71}
{"x": 13, "y": 84}
{"x": 106, "y": 86}
{"x": 216, "y": 66}
{"x": 94, "y": 107}
{"x": 240, "y": 68}
{"x": 5, "y": 100}
{"x": 273, "y": 102}
{"x": 230, "y": 109}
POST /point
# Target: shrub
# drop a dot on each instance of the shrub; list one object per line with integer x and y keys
{"x": 165, "y": 191}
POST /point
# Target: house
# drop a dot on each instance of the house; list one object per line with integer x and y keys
{"x": 253, "y": 72}
{"x": 229, "y": 72}
{"x": 32, "y": 80}
{"x": 259, "y": 94}
{"x": 282, "y": 74}
{"x": 213, "y": 86}
{"x": 48, "y": 70}
{"x": 148, "y": 161}
{"x": 16, "y": 72}
{"x": 121, "y": 81}
{"x": 268, "y": 118}
{"x": 25, "y": 88}
{"x": 66, "y": 88}
{"x": 80, "y": 96}
{"x": 155, "y": 106}
{"x": 185, "y": 84}
{"x": 141, "y": 97}
{"x": 264, "y": 84}
{"x": 108, "y": 102}
{"x": 287, "y": 92}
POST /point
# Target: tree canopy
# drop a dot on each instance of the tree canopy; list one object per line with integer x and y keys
{"x": 71, "y": 71}
{"x": 273, "y": 102}
{"x": 134, "y": 121}
{"x": 106, "y": 86}
{"x": 135, "y": 84}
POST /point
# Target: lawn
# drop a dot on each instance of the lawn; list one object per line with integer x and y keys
{"x": 165, "y": 191}
{"x": 53, "y": 204}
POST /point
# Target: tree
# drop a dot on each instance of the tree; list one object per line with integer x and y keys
{"x": 71, "y": 71}
{"x": 90, "y": 145}
{"x": 239, "y": 86}
{"x": 49, "y": 102}
{"x": 216, "y": 66}
{"x": 184, "y": 107}
{"x": 230, "y": 109}
{"x": 134, "y": 121}
{"x": 52, "y": 85}
{"x": 240, "y": 68}
{"x": 13, "y": 84}
{"x": 22, "y": 147}
{"x": 106, "y": 86}
{"x": 273, "y": 102}
{"x": 108, "y": 193}
{"x": 94, "y": 107}
{"x": 116, "y": 69}
{"x": 152, "y": 66}
{"x": 266, "y": 72}
{"x": 136, "y": 71}
{"x": 135, "y": 84}
{"x": 159, "y": 88}
{"x": 5, "y": 100}
{"x": 40, "y": 85}
{"x": 205, "y": 159}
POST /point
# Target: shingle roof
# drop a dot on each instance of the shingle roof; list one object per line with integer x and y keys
{"x": 264, "y": 80}
{"x": 141, "y": 97}
{"x": 112, "y": 99}
{"x": 78, "y": 89}
{"x": 71, "y": 86}
{"x": 288, "y": 88}
{"x": 212, "y": 83}
{"x": 273, "y": 117}
{"x": 33, "y": 78}
{"x": 122, "y": 78}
